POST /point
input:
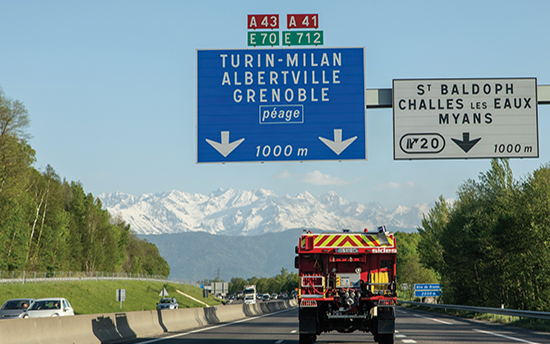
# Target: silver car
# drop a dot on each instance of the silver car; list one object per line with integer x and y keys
{"x": 167, "y": 303}
{"x": 50, "y": 307}
{"x": 15, "y": 308}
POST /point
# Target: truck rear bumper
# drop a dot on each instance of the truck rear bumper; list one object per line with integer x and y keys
{"x": 361, "y": 317}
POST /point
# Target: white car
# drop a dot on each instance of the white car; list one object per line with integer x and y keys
{"x": 249, "y": 300}
{"x": 50, "y": 307}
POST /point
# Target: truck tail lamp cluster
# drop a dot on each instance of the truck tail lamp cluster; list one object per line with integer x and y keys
{"x": 313, "y": 281}
{"x": 312, "y": 285}
{"x": 308, "y": 303}
{"x": 389, "y": 302}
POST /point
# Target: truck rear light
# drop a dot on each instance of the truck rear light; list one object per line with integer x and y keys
{"x": 389, "y": 302}
{"x": 308, "y": 303}
{"x": 313, "y": 281}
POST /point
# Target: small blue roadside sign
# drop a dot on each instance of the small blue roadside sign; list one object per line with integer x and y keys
{"x": 427, "y": 293}
{"x": 259, "y": 105}
{"x": 430, "y": 286}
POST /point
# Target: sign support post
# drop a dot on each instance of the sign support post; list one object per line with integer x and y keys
{"x": 121, "y": 296}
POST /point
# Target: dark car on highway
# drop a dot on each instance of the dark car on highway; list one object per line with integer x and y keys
{"x": 15, "y": 308}
{"x": 167, "y": 303}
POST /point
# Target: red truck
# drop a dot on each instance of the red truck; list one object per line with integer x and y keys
{"x": 347, "y": 283}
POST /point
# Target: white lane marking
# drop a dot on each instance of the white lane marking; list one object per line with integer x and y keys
{"x": 192, "y": 298}
{"x": 439, "y": 321}
{"x": 408, "y": 341}
{"x": 293, "y": 331}
{"x": 400, "y": 336}
{"x": 213, "y": 327}
{"x": 507, "y": 337}
{"x": 279, "y": 341}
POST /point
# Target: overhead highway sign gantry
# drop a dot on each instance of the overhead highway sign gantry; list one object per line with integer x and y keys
{"x": 281, "y": 105}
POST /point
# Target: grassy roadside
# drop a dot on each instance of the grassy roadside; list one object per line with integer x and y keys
{"x": 94, "y": 297}
{"x": 532, "y": 324}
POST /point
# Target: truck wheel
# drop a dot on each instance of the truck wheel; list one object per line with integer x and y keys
{"x": 385, "y": 338}
{"x": 307, "y": 338}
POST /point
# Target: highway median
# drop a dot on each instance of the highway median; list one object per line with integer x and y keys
{"x": 114, "y": 327}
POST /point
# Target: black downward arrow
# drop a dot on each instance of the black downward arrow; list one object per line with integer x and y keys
{"x": 466, "y": 144}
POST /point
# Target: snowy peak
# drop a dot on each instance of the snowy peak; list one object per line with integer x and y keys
{"x": 254, "y": 212}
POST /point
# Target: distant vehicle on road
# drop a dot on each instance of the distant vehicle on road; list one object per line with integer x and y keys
{"x": 49, "y": 307}
{"x": 249, "y": 300}
{"x": 167, "y": 303}
{"x": 274, "y": 296}
{"x": 239, "y": 295}
{"x": 15, "y": 308}
{"x": 266, "y": 297}
{"x": 249, "y": 290}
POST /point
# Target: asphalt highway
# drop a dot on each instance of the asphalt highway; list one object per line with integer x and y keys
{"x": 413, "y": 326}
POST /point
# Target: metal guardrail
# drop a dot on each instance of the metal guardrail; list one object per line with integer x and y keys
{"x": 501, "y": 311}
{"x": 22, "y": 277}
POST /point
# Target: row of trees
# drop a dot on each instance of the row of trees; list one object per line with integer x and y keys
{"x": 284, "y": 281}
{"x": 491, "y": 246}
{"x": 49, "y": 224}
{"x": 409, "y": 268}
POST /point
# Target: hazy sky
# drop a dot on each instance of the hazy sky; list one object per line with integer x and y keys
{"x": 111, "y": 87}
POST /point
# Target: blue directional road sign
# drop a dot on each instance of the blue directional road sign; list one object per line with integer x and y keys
{"x": 281, "y": 105}
{"x": 427, "y": 293}
{"x": 427, "y": 286}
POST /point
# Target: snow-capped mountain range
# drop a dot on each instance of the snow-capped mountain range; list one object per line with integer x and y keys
{"x": 247, "y": 213}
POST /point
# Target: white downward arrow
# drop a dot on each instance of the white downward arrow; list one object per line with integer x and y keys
{"x": 337, "y": 145}
{"x": 225, "y": 148}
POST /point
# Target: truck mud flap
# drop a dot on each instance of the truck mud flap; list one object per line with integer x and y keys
{"x": 386, "y": 320}
{"x": 308, "y": 320}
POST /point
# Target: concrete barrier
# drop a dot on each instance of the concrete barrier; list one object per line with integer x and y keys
{"x": 112, "y": 327}
{"x": 230, "y": 313}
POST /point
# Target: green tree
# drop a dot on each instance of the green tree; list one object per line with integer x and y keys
{"x": 473, "y": 273}
{"x": 236, "y": 284}
{"x": 433, "y": 225}
{"x": 536, "y": 237}
{"x": 76, "y": 208}
{"x": 48, "y": 229}
{"x": 13, "y": 229}
{"x": 48, "y": 225}
{"x": 143, "y": 257}
{"x": 16, "y": 158}
{"x": 521, "y": 236}
{"x": 409, "y": 268}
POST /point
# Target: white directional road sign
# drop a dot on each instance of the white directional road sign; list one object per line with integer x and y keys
{"x": 281, "y": 105}
{"x": 465, "y": 118}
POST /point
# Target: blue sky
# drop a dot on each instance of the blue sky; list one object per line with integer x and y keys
{"x": 111, "y": 87}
